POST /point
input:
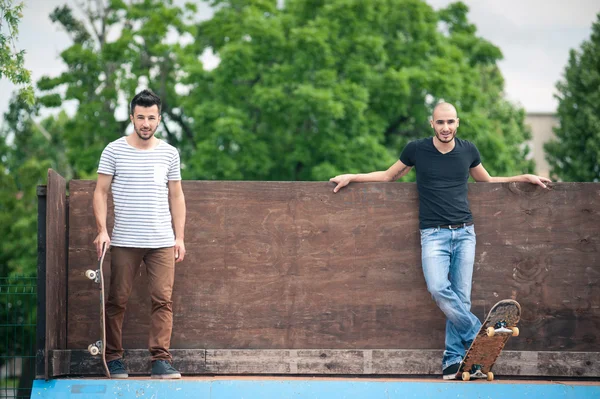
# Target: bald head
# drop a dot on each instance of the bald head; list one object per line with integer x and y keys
{"x": 445, "y": 108}
{"x": 444, "y": 122}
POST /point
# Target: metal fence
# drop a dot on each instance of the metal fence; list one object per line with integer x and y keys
{"x": 18, "y": 296}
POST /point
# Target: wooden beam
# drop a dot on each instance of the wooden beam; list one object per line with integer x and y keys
{"x": 329, "y": 362}
{"x": 56, "y": 264}
{"x": 81, "y": 363}
{"x": 41, "y": 370}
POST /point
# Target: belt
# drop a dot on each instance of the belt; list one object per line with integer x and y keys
{"x": 456, "y": 226}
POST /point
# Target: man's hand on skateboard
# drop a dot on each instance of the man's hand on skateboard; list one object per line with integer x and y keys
{"x": 102, "y": 241}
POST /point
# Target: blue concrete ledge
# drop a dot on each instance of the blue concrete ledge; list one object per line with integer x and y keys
{"x": 313, "y": 388}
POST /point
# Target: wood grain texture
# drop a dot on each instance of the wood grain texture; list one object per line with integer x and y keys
{"x": 292, "y": 266}
{"x": 78, "y": 362}
{"x": 41, "y": 363}
{"x": 56, "y": 264}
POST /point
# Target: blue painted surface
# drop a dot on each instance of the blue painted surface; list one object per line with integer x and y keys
{"x": 301, "y": 388}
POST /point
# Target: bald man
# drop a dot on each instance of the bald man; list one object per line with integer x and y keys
{"x": 443, "y": 164}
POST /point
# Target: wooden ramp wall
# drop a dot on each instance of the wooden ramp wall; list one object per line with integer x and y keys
{"x": 289, "y": 278}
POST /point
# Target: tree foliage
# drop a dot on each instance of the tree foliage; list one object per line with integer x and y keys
{"x": 116, "y": 48}
{"x": 12, "y": 60}
{"x": 322, "y": 87}
{"x": 575, "y": 154}
{"x": 301, "y": 92}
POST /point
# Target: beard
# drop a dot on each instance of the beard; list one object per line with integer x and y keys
{"x": 145, "y": 135}
{"x": 447, "y": 139}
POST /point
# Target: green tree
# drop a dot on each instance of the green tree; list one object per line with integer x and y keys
{"x": 315, "y": 88}
{"x": 11, "y": 59}
{"x": 117, "y": 47}
{"x": 27, "y": 150}
{"x": 25, "y": 156}
{"x": 303, "y": 90}
{"x": 18, "y": 222}
{"x": 575, "y": 154}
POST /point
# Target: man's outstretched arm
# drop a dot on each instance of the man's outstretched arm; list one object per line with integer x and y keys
{"x": 393, "y": 173}
{"x": 480, "y": 174}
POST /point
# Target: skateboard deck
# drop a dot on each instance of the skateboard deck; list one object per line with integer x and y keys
{"x": 98, "y": 347}
{"x": 498, "y": 327}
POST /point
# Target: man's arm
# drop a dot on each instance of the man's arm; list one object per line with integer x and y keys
{"x": 177, "y": 204}
{"x": 100, "y": 205}
{"x": 480, "y": 174}
{"x": 393, "y": 173}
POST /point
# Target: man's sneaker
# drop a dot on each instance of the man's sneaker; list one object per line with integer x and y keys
{"x": 163, "y": 370}
{"x": 449, "y": 372}
{"x": 117, "y": 369}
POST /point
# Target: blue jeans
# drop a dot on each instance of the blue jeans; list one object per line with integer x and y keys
{"x": 447, "y": 257}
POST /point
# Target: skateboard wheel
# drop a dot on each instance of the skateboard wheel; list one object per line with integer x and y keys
{"x": 490, "y": 376}
{"x": 466, "y": 376}
{"x": 91, "y": 274}
{"x": 490, "y": 331}
{"x": 93, "y": 349}
{"x": 515, "y": 331}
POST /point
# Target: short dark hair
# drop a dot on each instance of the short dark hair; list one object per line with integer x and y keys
{"x": 145, "y": 98}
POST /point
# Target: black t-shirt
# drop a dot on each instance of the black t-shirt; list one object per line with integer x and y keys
{"x": 442, "y": 180}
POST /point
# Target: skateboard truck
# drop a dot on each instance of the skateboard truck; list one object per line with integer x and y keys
{"x": 501, "y": 328}
{"x": 95, "y": 349}
{"x": 477, "y": 373}
{"x": 93, "y": 275}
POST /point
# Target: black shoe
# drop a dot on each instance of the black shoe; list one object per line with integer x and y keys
{"x": 163, "y": 370}
{"x": 449, "y": 372}
{"x": 117, "y": 369}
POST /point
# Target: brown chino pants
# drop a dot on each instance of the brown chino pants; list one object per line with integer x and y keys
{"x": 160, "y": 271}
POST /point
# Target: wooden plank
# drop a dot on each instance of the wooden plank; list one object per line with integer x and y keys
{"x": 81, "y": 363}
{"x": 56, "y": 264}
{"x": 264, "y": 361}
{"x": 257, "y": 266}
{"x": 540, "y": 248}
{"x": 290, "y": 265}
{"x": 61, "y": 363}
{"x": 41, "y": 370}
{"x": 331, "y": 362}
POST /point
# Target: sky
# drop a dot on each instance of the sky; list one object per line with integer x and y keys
{"x": 535, "y": 37}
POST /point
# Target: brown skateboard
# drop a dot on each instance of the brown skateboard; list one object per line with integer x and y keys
{"x": 98, "y": 347}
{"x": 497, "y": 328}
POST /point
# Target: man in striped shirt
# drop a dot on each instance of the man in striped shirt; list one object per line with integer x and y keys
{"x": 149, "y": 207}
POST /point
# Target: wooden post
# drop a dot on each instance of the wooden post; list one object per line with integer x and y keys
{"x": 56, "y": 266}
{"x": 40, "y": 368}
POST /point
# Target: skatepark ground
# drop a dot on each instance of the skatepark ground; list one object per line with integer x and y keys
{"x": 251, "y": 387}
